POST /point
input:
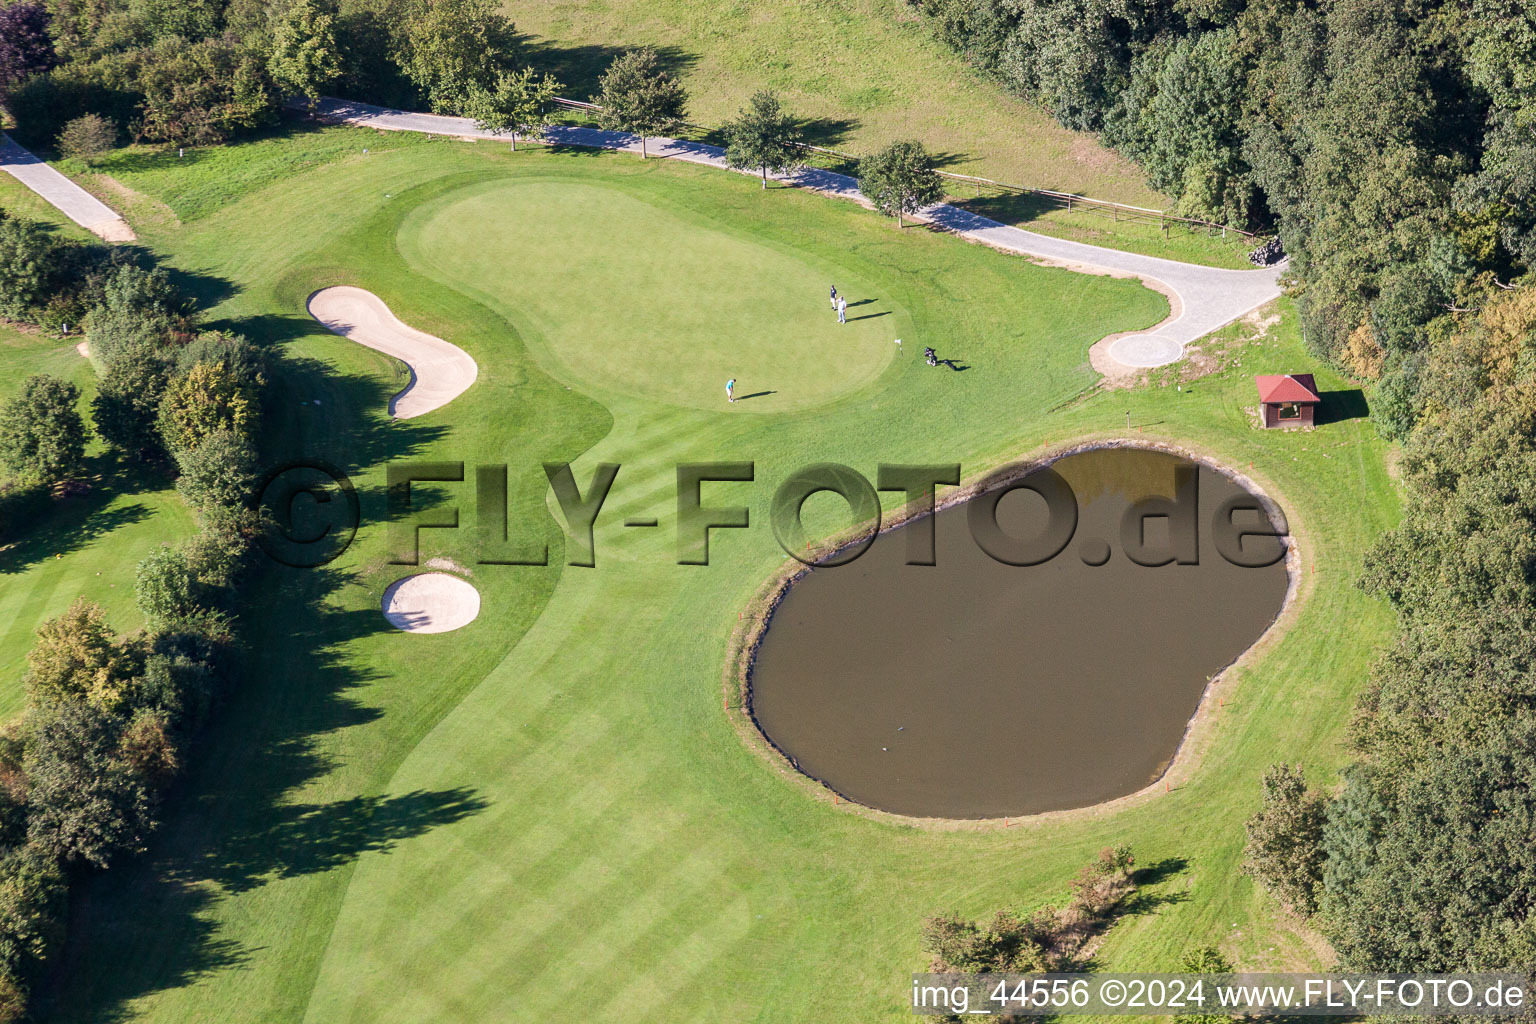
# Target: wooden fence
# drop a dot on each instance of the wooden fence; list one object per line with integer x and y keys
{"x": 961, "y": 183}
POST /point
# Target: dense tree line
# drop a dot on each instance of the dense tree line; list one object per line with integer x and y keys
{"x": 1391, "y": 145}
{"x": 109, "y": 716}
{"x": 200, "y": 71}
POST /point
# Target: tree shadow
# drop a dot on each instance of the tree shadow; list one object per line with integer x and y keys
{"x": 829, "y": 132}
{"x": 300, "y": 839}
{"x": 1341, "y": 406}
{"x": 236, "y": 821}
{"x": 1144, "y": 902}
{"x": 58, "y": 525}
{"x": 579, "y": 68}
{"x": 1008, "y": 208}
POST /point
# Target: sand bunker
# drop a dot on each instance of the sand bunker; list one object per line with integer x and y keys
{"x": 431, "y": 602}
{"x": 440, "y": 372}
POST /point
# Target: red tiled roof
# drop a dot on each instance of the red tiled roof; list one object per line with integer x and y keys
{"x": 1287, "y": 387}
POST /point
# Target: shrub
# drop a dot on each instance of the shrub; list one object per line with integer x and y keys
{"x": 113, "y": 334}
{"x": 32, "y": 894}
{"x": 218, "y": 555}
{"x": 29, "y": 267}
{"x": 87, "y": 136}
{"x": 177, "y": 684}
{"x": 216, "y": 480}
{"x": 1203, "y": 960}
{"x": 147, "y": 748}
{"x": 245, "y": 361}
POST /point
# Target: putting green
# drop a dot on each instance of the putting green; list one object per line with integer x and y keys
{"x": 633, "y": 298}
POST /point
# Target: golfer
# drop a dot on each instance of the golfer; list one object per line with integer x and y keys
{"x": 730, "y": 386}
{"x": 842, "y": 310}
{"x": 834, "y": 296}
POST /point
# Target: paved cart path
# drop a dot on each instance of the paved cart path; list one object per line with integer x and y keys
{"x": 73, "y": 201}
{"x": 1203, "y": 298}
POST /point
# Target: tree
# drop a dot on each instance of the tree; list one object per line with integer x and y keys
{"x": 148, "y": 294}
{"x": 453, "y": 49}
{"x": 216, "y": 480}
{"x": 517, "y": 103}
{"x": 636, "y": 95}
{"x": 127, "y": 403}
{"x": 765, "y": 137}
{"x": 88, "y": 804}
{"x": 166, "y": 589}
{"x": 1203, "y": 960}
{"x": 87, "y": 136}
{"x": 32, "y": 891}
{"x": 42, "y": 436}
{"x": 209, "y": 398}
{"x": 1285, "y": 851}
{"x": 25, "y": 47}
{"x": 78, "y": 657}
{"x": 29, "y": 265}
{"x": 900, "y": 179}
{"x": 305, "y": 58}
{"x": 203, "y": 92}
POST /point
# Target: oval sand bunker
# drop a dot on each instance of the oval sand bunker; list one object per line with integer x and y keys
{"x": 431, "y": 602}
{"x": 977, "y": 689}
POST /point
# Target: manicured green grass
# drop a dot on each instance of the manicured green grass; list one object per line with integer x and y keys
{"x": 649, "y": 301}
{"x": 195, "y": 182}
{"x": 547, "y": 815}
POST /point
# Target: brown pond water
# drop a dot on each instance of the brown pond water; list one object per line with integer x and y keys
{"x": 977, "y": 689}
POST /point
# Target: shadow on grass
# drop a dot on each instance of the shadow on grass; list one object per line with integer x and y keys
{"x": 53, "y": 526}
{"x": 245, "y": 814}
{"x": 579, "y": 68}
{"x": 1340, "y": 406}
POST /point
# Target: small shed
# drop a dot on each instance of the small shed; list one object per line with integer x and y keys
{"x": 1287, "y": 399}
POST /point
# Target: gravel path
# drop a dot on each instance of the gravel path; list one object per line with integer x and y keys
{"x": 75, "y": 202}
{"x": 1202, "y": 298}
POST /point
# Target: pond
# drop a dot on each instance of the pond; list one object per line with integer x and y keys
{"x": 973, "y": 688}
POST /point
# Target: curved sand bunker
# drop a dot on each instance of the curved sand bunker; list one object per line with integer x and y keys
{"x": 440, "y": 372}
{"x": 430, "y": 602}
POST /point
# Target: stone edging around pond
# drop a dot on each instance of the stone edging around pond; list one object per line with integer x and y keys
{"x": 741, "y": 651}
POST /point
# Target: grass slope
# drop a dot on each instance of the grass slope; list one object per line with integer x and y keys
{"x": 866, "y": 71}
{"x": 475, "y": 826}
